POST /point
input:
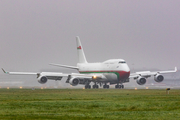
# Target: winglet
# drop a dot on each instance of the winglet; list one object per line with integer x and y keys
{"x": 175, "y": 69}
{"x": 4, "y": 71}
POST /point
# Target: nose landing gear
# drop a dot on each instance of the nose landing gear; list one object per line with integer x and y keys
{"x": 119, "y": 86}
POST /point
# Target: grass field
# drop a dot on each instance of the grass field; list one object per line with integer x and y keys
{"x": 76, "y": 104}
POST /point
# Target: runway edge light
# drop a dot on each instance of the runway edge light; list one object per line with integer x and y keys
{"x": 167, "y": 90}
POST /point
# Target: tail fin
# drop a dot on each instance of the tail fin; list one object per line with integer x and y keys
{"x": 81, "y": 55}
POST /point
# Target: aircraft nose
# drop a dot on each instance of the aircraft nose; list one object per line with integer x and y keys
{"x": 126, "y": 68}
{"x": 124, "y": 74}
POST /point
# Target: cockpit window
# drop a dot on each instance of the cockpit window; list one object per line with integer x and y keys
{"x": 122, "y": 62}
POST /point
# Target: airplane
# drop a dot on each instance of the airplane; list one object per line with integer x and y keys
{"x": 112, "y": 71}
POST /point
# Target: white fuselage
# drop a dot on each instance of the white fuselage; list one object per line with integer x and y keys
{"x": 112, "y": 70}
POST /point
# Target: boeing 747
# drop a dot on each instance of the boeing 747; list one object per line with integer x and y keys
{"x": 113, "y": 71}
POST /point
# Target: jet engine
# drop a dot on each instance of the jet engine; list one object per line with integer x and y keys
{"x": 141, "y": 80}
{"x": 74, "y": 81}
{"x": 158, "y": 78}
{"x": 42, "y": 80}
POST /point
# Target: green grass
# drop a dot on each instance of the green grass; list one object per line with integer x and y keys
{"x": 76, "y": 104}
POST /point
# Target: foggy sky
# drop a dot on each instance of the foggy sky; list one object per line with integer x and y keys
{"x": 33, "y": 33}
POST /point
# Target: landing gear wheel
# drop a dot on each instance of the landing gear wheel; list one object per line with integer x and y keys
{"x": 116, "y": 86}
{"x": 87, "y": 86}
{"x": 106, "y": 86}
{"x": 95, "y": 86}
{"x": 119, "y": 86}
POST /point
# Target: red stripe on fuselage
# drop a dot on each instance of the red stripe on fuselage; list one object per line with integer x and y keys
{"x": 123, "y": 74}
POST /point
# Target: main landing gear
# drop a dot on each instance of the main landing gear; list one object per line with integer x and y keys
{"x": 106, "y": 86}
{"x": 95, "y": 86}
{"x": 119, "y": 86}
{"x": 87, "y": 86}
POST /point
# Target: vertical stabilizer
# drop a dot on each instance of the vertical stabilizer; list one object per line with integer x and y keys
{"x": 81, "y": 55}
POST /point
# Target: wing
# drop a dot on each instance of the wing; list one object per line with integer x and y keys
{"x": 49, "y": 75}
{"x": 147, "y": 74}
{"x": 57, "y": 75}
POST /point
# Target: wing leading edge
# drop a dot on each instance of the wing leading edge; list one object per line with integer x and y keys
{"x": 149, "y": 73}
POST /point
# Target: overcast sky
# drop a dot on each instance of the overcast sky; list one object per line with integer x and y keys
{"x": 33, "y": 33}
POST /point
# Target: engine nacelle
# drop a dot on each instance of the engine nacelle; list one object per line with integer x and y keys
{"x": 141, "y": 80}
{"x": 42, "y": 80}
{"x": 158, "y": 78}
{"x": 74, "y": 81}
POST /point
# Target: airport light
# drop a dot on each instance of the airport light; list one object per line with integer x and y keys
{"x": 135, "y": 88}
{"x": 20, "y": 87}
{"x": 7, "y": 87}
{"x": 167, "y": 90}
{"x": 147, "y": 88}
{"x": 41, "y": 87}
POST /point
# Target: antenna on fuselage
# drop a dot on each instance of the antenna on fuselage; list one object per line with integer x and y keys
{"x": 81, "y": 55}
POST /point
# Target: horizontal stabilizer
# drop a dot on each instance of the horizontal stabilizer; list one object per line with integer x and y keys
{"x": 65, "y": 66}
